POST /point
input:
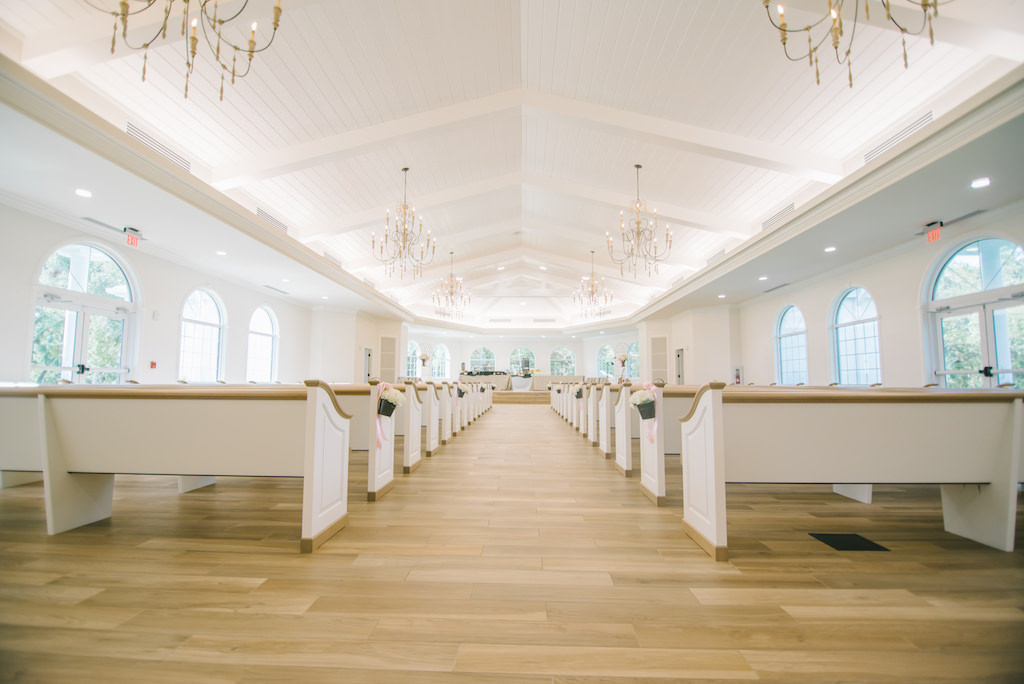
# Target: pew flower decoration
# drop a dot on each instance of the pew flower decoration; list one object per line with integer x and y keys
{"x": 644, "y": 401}
{"x": 462, "y": 389}
{"x": 579, "y": 391}
{"x": 390, "y": 398}
{"x": 423, "y": 359}
{"x": 622, "y": 358}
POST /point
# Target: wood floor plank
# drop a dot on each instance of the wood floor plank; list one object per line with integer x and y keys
{"x": 511, "y": 556}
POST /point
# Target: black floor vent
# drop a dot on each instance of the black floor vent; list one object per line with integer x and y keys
{"x": 848, "y": 542}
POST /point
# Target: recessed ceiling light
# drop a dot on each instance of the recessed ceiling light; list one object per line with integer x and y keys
{"x": 983, "y": 182}
{"x": 323, "y": 296}
{"x": 543, "y": 268}
{"x": 221, "y": 252}
{"x": 501, "y": 268}
{"x": 602, "y": 332}
{"x": 285, "y": 280}
{"x": 721, "y": 296}
{"x": 522, "y": 303}
{"x": 763, "y": 278}
{"x": 829, "y": 250}
{"x": 82, "y": 192}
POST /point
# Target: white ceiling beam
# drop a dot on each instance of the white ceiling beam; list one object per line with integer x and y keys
{"x": 351, "y": 143}
{"x": 689, "y": 138}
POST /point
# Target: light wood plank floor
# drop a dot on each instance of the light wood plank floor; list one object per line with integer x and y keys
{"x": 517, "y": 554}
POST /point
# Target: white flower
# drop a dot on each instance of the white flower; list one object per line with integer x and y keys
{"x": 394, "y": 396}
{"x": 641, "y": 397}
{"x": 622, "y": 357}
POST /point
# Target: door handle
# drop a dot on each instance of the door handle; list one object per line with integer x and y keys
{"x": 986, "y": 371}
{"x": 81, "y": 369}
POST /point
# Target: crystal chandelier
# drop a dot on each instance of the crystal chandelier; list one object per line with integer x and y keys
{"x": 404, "y": 246}
{"x": 830, "y": 26}
{"x": 195, "y": 13}
{"x": 639, "y": 238}
{"x": 592, "y": 295}
{"x": 450, "y": 299}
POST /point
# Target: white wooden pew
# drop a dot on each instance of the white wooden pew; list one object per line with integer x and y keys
{"x": 372, "y": 433}
{"x": 412, "y": 410}
{"x": 606, "y": 419}
{"x": 431, "y": 399}
{"x": 624, "y": 431}
{"x": 969, "y": 442}
{"x": 444, "y": 395}
{"x": 87, "y": 434}
{"x": 593, "y": 392}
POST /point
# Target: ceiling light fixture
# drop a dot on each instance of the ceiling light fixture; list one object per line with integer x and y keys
{"x": 983, "y": 182}
{"x": 450, "y": 299}
{"x": 639, "y": 240}
{"x": 82, "y": 192}
{"x": 213, "y": 33}
{"x": 398, "y": 249}
{"x": 830, "y": 25}
{"x": 592, "y": 295}
{"x": 829, "y": 250}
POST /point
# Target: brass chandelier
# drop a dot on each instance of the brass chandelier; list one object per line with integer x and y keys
{"x": 403, "y": 247}
{"x": 196, "y": 13}
{"x": 639, "y": 238}
{"x": 592, "y": 296}
{"x": 831, "y": 26}
{"x": 451, "y": 299}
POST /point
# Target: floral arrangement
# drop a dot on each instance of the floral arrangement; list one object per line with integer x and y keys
{"x": 578, "y": 391}
{"x": 643, "y": 396}
{"x": 388, "y": 399}
{"x": 462, "y": 388}
{"x": 622, "y": 358}
{"x": 424, "y": 358}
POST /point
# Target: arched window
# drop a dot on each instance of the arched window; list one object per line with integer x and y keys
{"x": 201, "y": 334}
{"x": 481, "y": 360}
{"x": 606, "y": 362}
{"x": 976, "y": 321}
{"x": 412, "y": 360}
{"x": 791, "y": 347}
{"x": 522, "y": 361}
{"x": 633, "y": 361}
{"x": 563, "y": 362}
{"x": 856, "y": 339}
{"x": 261, "y": 360}
{"x": 83, "y": 318}
{"x": 440, "y": 358}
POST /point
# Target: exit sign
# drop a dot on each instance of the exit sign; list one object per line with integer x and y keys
{"x": 933, "y": 234}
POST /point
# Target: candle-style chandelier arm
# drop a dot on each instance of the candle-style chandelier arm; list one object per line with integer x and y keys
{"x": 212, "y": 29}
{"x": 831, "y": 25}
{"x": 397, "y": 248}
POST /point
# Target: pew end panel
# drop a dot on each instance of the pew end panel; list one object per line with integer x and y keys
{"x": 328, "y": 433}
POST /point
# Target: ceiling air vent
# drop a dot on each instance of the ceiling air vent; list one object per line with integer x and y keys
{"x": 501, "y": 320}
{"x": 271, "y": 287}
{"x": 778, "y": 216}
{"x": 157, "y": 146}
{"x": 277, "y": 223}
{"x": 333, "y": 259}
{"x": 543, "y": 320}
{"x": 101, "y": 224}
{"x": 899, "y": 137}
{"x": 777, "y": 287}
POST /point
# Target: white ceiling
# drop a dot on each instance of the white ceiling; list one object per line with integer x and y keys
{"x": 521, "y": 121}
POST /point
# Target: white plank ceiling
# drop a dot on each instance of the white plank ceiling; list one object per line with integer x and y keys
{"x": 521, "y": 121}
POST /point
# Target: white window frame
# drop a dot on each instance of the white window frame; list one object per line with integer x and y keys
{"x": 274, "y": 337}
{"x": 220, "y": 327}
{"x": 837, "y": 353}
{"x": 782, "y": 373}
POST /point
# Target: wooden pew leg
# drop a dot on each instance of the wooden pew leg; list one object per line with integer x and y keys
{"x": 15, "y": 478}
{"x": 72, "y": 499}
{"x": 857, "y": 492}
{"x": 190, "y": 483}
{"x": 985, "y": 513}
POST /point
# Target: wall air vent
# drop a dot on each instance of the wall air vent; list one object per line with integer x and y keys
{"x": 778, "y": 216}
{"x": 101, "y": 224}
{"x": 501, "y": 320}
{"x": 333, "y": 259}
{"x": 777, "y": 287}
{"x": 899, "y": 137}
{"x": 157, "y": 146}
{"x": 277, "y": 223}
{"x": 543, "y": 320}
{"x": 966, "y": 216}
{"x": 278, "y": 291}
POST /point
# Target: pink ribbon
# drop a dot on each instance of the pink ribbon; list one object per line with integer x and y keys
{"x": 652, "y": 426}
{"x": 381, "y": 437}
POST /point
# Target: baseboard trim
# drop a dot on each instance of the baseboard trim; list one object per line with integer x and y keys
{"x": 307, "y": 545}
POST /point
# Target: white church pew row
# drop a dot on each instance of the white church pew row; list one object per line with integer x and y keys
{"x": 970, "y": 442}
{"x": 411, "y": 412}
{"x": 88, "y": 434}
{"x": 21, "y": 459}
{"x": 593, "y": 392}
{"x": 431, "y": 399}
{"x": 623, "y": 431}
{"x": 372, "y": 433}
{"x": 606, "y": 419}
{"x": 444, "y": 395}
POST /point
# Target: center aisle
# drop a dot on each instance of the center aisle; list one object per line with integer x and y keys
{"x": 519, "y": 549}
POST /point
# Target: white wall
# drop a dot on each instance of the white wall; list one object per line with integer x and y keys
{"x": 897, "y": 280}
